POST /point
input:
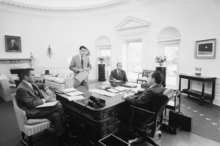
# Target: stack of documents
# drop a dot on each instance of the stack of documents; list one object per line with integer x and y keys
{"x": 128, "y": 94}
{"x": 74, "y": 93}
{"x": 73, "y": 98}
{"x": 102, "y": 92}
{"x": 113, "y": 90}
{"x": 129, "y": 85}
{"x": 120, "y": 88}
{"x": 68, "y": 90}
{"x": 116, "y": 81}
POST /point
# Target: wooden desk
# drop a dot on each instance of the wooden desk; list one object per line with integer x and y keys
{"x": 92, "y": 124}
{"x": 202, "y": 95}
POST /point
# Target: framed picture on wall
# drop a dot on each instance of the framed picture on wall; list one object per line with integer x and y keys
{"x": 205, "y": 49}
{"x": 12, "y": 43}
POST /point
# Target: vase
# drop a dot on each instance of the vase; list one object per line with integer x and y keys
{"x": 161, "y": 64}
{"x": 198, "y": 71}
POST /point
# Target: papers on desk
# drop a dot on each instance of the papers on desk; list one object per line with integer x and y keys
{"x": 68, "y": 90}
{"x": 116, "y": 81}
{"x": 82, "y": 75}
{"x": 129, "y": 85}
{"x": 73, "y": 98}
{"x": 113, "y": 90}
{"x": 74, "y": 93}
{"x": 102, "y": 92}
{"x": 120, "y": 88}
{"x": 128, "y": 94}
{"x": 47, "y": 104}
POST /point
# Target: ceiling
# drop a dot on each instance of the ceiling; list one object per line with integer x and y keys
{"x": 63, "y": 3}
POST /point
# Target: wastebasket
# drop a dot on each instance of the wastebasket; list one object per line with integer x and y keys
{"x": 112, "y": 140}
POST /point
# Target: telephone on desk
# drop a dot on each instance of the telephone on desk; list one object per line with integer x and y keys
{"x": 96, "y": 103}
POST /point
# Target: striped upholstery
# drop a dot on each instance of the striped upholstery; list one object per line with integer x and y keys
{"x": 29, "y": 130}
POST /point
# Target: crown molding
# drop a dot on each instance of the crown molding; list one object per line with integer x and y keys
{"x": 78, "y": 8}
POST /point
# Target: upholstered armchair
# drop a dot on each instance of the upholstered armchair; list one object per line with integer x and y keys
{"x": 6, "y": 89}
{"x": 28, "y": 127}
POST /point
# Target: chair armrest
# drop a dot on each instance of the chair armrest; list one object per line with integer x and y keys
{"x": 143, "y": 110}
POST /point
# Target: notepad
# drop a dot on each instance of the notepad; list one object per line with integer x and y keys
{"x": 47, "y": 104}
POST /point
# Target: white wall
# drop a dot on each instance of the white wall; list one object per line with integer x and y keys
{"x": 65, "y": 32}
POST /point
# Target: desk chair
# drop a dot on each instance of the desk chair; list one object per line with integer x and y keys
{"x": 28, "y": 127}
{"x": 143, "y": 76}
{"x": 145, "y": 120}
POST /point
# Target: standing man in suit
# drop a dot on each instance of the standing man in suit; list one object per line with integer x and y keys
{"x": 28, "y": 96}
{"x": 118, "y": 74}
{"x": 13, "y": 45}
{"x": 80, "y": 63}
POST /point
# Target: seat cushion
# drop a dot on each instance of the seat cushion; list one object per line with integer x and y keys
{"x": 2, "y": 77}
{"x": 36, "y": 121}
{"x": 49, "y": 78}
{"x": 59, "y": 80}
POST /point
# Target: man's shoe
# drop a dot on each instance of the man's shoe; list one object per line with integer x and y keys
{"x": 62, "y": 143}
{"x": 71, "y": 136}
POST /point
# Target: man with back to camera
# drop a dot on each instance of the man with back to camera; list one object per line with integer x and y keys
{"x": 28, "y": 96}
{"x": 118, "y": 74}
{"x": 80, "y": 63}
{"x": 146, "y": 99}
{"x": 13, "y": 45}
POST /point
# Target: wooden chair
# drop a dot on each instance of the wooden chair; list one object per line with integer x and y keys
{"x": 143, "y": 76}
{"x": 145, "y": 120}
{"x": 28, "y": 129}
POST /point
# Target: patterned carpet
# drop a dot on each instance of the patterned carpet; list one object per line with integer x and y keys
{"x": 206, "y": 118}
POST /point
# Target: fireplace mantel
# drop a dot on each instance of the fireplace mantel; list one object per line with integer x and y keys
{"x": 30, "y": 61}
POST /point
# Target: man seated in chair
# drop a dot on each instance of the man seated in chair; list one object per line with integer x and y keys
{"x": 118, "y": 74}
{"x": 144, "y": 100}
{"x": 28, "y": 96}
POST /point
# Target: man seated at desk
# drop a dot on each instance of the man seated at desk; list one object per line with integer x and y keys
{"x": 118, "y": 74}
{"x": 146, "y": 99}
{"x": 28, "y": 96}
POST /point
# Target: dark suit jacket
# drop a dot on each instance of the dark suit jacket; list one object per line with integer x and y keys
{"x": 147, "y": 99}
{"x": 14, "y": 47}
{"x": 114, "y": 74}
{"x": 27, "y": 98}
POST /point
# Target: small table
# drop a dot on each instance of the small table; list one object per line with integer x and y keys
{"x": 203, "y": 79}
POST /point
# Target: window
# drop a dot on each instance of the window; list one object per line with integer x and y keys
{"x": 133, "y": 59}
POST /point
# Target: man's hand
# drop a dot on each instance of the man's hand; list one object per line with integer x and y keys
{"x": 49, "y": 92}
{"x": 114, "y": 79}
{"x": 88, "y": 69}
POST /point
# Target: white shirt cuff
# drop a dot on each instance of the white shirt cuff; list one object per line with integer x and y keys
{"x": 44, "y": 100}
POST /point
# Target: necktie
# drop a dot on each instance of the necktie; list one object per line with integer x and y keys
{"x": 119, "y": 72}
{"x": 35, "y": 90}
{"x": 82, "y": 60}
